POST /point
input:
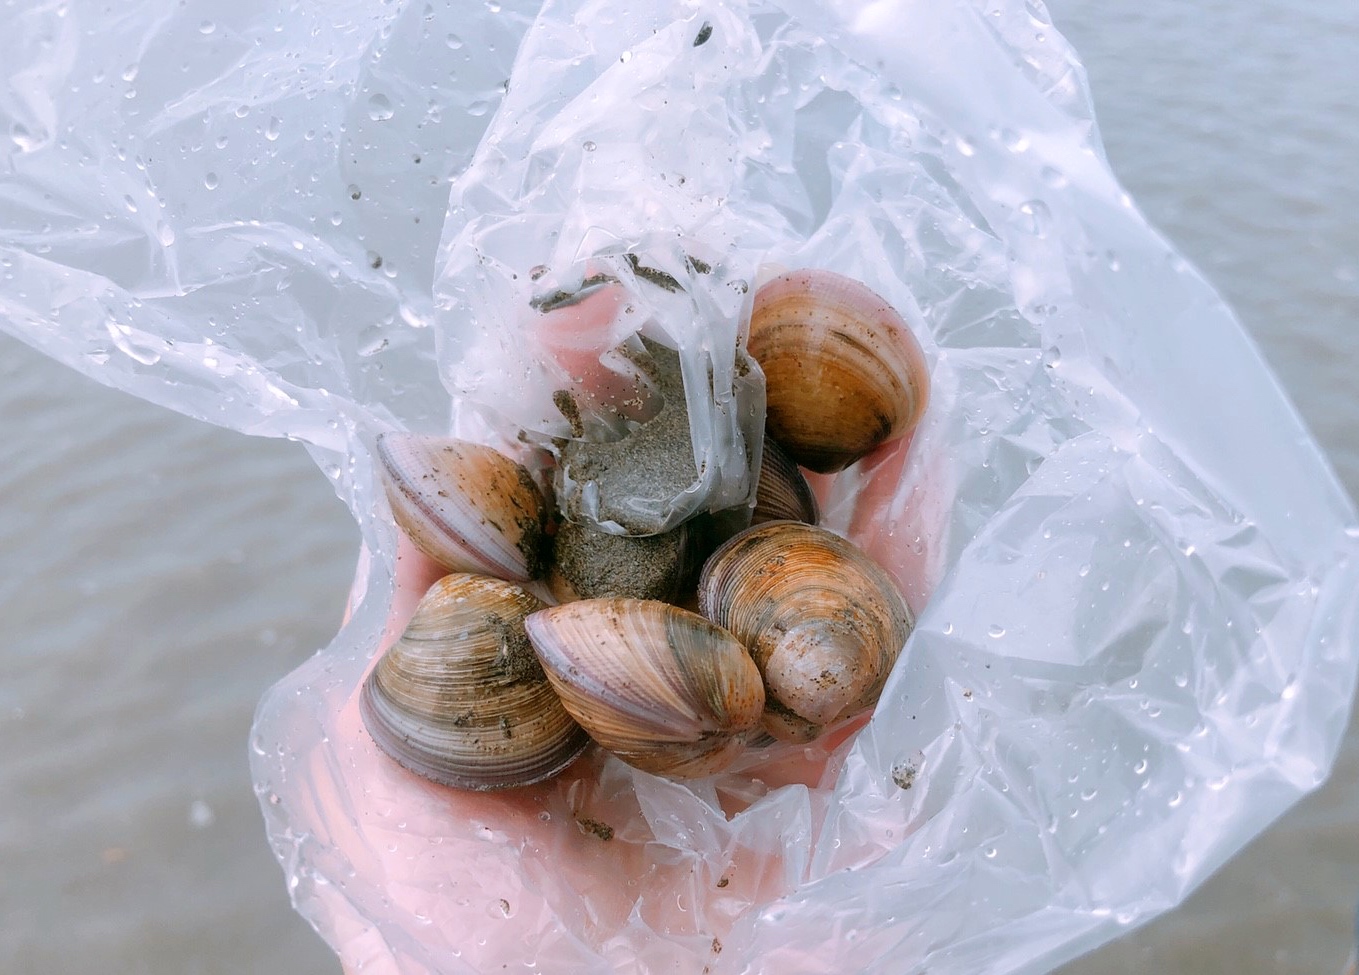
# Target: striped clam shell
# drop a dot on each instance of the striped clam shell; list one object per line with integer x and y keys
{"x": 461, "y": 699}
{"x": 823, "y": 622}
{"x": 782, "y": 493}
{"x": 662, "y": 688}
{"x": 843, "y": 372}
{"x": 467, "y": 506}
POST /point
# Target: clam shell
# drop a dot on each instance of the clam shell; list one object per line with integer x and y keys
{"x": 467, "y": 506}
{"x": 823, "y": 622}
{"x": 461, "y": 699}
{"x": 783, "y": 493}
{"x": 843, "y": 371}
{"x": 662, "y": 688}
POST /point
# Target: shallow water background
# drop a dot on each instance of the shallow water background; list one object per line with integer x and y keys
{"x": 157, "y": 574}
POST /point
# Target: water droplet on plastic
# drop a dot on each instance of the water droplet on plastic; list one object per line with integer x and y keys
{"x": 411, "y": 316}
{"x": 990, "y": 852}
{"x": 242, "y": 111}
{"x": 165, "y": 234}
{"x": 625, "y": 57}
{"x": 271, "y": 130}
{"x": 453, "y": 41}
{"x": 1035, "y": 217}
{"x": 380, "y": 107}
{"x": 589, "y": 146}
{"x": 221, "y": 142}
{"x": 948, "y": 629}
{"x": 995, "y": 631}
{"x": 1014, "y": 141}
{"x": 210, "y": 180}
{"x": 1141, "y": 767}
{"x": 371, "y": 345}
{"x": 1053, "y": 177}
{"x": 206, "y": 27}
{"x": 201, "y": 815}
{"x": 478, "y": 108}
{"x": 966, "y": 146}
{"x": 130, "y": 204}
{"x": 22, "y": 137}
{"x": 130, "y": 73}
{"x": 1052, "y": 357}
{"x": 336, "y": 219}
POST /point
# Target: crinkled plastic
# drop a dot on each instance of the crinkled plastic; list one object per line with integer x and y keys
{"x": 1135, "y": 573}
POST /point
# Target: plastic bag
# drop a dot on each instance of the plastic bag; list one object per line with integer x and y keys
{"x": 1135, "y": 571}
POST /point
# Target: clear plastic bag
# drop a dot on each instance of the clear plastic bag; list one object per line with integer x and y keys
{"x": 1134, "y": 571}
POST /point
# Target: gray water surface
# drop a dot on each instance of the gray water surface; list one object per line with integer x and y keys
{"x": 157, "y": 574}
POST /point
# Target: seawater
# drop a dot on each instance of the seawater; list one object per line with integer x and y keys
{"x": 158, "y": 573}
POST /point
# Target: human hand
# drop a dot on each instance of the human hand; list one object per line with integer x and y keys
{"x": 601, "y": 861}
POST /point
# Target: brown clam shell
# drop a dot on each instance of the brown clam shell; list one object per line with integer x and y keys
{"x": 782, "y": 493}
{"x": 467, "y": 506}
{"x": 461, "y": 699}
{"x": 823, "y": 622}
{"x": 844, "y": 374}
{"x": 662, "y": 688}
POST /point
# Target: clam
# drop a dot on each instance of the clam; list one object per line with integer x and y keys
{"x": 467, "y": 506}
{"x": 461, "y": 699}
{"x": 843, "y": 371}
{"x": 783, "y": 493}
{"x": 662, "y": 688}
{"x": 823, "y": 622}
